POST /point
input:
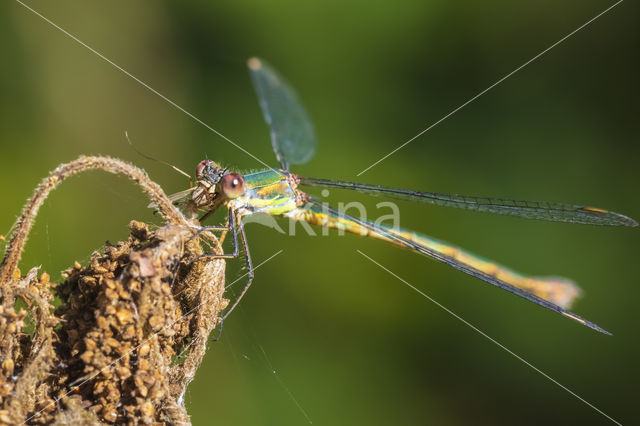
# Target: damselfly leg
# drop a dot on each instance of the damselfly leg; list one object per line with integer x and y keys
{"x": 249, "y": 263}
{"x": 250, "y": 272}
{"x": 234, "y": 224}
{"x": 231, "y": 226}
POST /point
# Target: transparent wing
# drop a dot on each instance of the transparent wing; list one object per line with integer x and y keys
{"x": 292, "y": 135}
{"x": 176, "y": 198}
{"x": 556, "y": 212}
{"x": 442, "y": 256}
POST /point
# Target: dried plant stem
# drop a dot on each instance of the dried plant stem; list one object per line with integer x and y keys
{"x": 81, "y": 164}
{"x": 132, "y": 328}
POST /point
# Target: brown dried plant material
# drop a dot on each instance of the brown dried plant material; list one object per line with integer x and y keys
{"x": 131, "y": 330}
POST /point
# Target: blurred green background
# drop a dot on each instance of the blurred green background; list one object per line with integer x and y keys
{"x": 349, "y": 342}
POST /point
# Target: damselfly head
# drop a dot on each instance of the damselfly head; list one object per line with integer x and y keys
{"x": 209, "y": 171}
{"x": 206, "y": 193}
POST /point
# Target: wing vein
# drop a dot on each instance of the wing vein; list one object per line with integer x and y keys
{"x": 540, "y": 210}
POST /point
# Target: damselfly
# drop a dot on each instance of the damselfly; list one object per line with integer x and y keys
{"x": 277, "y": 192}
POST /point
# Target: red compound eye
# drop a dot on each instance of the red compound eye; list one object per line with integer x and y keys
{"x": 232, "y": 185}
{"x": 201, "y": 167}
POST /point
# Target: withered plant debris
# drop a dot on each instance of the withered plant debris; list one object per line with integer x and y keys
{"x": 131, "y": 330}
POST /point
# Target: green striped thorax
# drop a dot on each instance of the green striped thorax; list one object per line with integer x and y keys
{"x": 268, "y": 191}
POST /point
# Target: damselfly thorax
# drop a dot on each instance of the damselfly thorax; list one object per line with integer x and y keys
{"x": 268, "y": 191}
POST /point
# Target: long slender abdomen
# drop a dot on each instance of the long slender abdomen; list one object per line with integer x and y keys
{"x": 559, "y": 291}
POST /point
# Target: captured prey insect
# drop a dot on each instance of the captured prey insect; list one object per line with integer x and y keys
{"x": 276, "y": 192}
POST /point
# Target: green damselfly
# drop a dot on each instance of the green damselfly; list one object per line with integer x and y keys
{"x": 277, "y": 192}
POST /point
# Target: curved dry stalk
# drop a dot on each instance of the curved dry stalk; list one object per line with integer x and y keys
{"x": 83, "y": 163}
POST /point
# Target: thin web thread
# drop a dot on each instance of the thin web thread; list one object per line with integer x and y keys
{"x": 500, "y": 345}
{"x": 142, "y": 83}
{"x": 492, "y": 86}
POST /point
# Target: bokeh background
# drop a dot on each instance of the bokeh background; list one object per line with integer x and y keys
{"x": 350, "y": 344}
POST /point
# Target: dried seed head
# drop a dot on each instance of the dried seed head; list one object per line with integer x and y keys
{"x": 109, "y": 414}
{"x": 7, "y": 366}
{"x": 86, "y": 357}
{"x": 156, "y": 322}
{"x": 139, "y": 230}
{"x": 143, "y": 364}
{"x": 143, "y": 391}
{"x": 129, "y": 332}
{"x": 108, "y": 309}
{"x": 147, "y": 409}
{"x": 144, "y": 350}
{"x": 124, "y": 294}
{"x": 137, "y": 380}
{"x": 102, "y": 323}
{"x": 124, "y": 373}
{"x": 5, "y": 389}
{"x": 147, "y": 268}
{"x": 90, "y": 344}
{"x": 124, "y": 316}
{"x": 156, "y": 286}
{"x": 111, "y": 294}
{"x": 5, "y": 418}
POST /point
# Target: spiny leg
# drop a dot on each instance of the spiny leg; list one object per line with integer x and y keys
{"x": 246, "y": 286}
{"x": 234, "y": 224}
{"x": 249, "y": 272}
{"x": 231, "y": 227}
